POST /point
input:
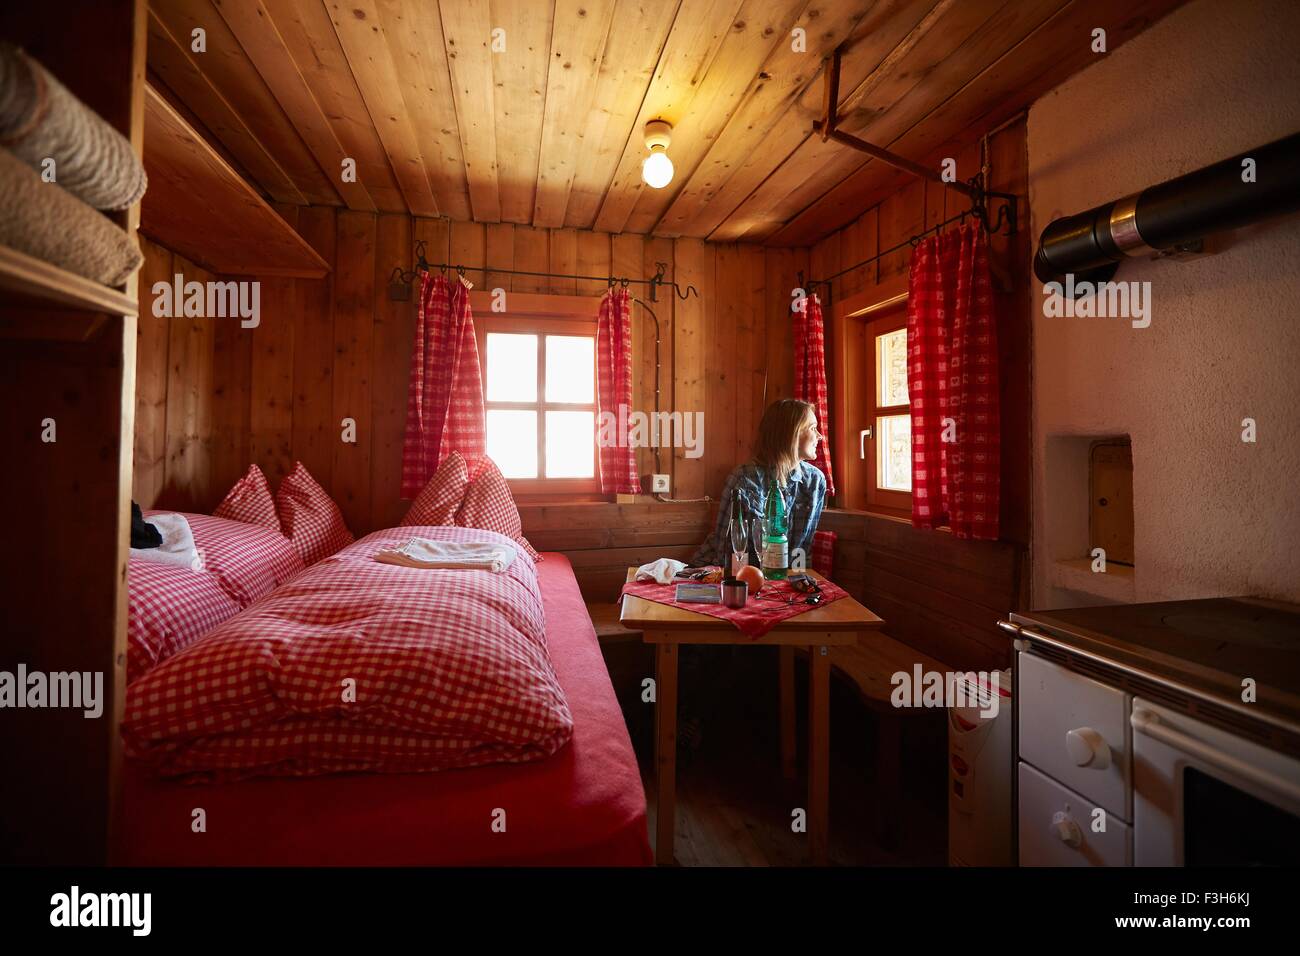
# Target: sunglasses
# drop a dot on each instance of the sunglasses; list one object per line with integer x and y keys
{"x": 803, "y": 584}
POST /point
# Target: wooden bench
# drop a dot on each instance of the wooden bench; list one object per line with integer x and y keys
{"x": 869, "y": 666}
{"x": 609, "y": 630}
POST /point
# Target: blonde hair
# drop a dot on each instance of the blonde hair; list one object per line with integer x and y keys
{"x": 777, "y": 445}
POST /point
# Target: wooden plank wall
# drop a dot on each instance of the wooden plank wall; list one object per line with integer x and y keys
{"x": 936, "y": 592}
{"x": 603, "y": 540}
{"x": 214, "y": 396}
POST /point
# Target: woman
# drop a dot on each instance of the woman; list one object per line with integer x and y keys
{"x": 786, "y": 442}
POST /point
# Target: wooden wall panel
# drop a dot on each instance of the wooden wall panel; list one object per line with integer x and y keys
{"x": 271, "y": 395}
{"x": 152, "y": 340}
{"x": 354, "y": 329}
{"x": 339, "y": 348}
{"x": 935, "y": 592}
{"x": 693, "y": 263}
{"x": 651, "y": 251}
{"x": 231, "y": 404}
{"x": 189, "y": 402}
{"x": 394, "y": 326}
{"x": 315, "y": 431}
{"x": 603, "y": 540}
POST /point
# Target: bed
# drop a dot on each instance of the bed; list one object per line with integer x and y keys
{"x": 583, "y": 805}
{"x": 169, "y": 608}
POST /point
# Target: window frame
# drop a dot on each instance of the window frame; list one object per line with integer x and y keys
{"x": 540, "y": 314}
{"x": 856, "y": 322}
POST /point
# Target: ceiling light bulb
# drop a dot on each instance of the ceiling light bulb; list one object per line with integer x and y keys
{"x": 657, "y": 169}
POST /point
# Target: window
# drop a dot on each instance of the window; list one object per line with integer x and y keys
{"x": 892, "y": 429}
{"x": 539, "y": 385}
{"x": 873, "y": 467}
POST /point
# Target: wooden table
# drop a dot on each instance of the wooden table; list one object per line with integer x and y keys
{"x": 820, "y": 629}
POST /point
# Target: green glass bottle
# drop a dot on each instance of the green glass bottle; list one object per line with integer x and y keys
{"x": 776, "y": 540}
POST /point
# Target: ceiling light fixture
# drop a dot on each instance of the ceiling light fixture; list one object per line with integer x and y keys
{"x": 657, "y": 168}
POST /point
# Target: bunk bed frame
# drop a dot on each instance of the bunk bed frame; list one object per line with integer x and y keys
{"x": 67, "y": 353}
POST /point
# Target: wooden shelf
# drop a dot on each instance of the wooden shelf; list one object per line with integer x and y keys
{"x": 40, "y": 284}
{"x": 199, "y": 206}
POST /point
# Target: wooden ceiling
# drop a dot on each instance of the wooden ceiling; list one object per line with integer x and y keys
{"x": 549, "y": 131}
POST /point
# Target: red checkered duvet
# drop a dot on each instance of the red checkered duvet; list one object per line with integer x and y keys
{"x": 361, "y": 666}
{"x": 170, "y": 608}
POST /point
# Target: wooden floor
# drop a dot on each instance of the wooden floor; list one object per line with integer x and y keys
{"x": 734, "y": 808}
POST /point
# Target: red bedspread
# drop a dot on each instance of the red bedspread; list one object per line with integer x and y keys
{"x": 582, "y": 806}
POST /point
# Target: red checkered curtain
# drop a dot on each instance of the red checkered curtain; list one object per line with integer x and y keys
{"x": 952, "y": 381}
{"x": 444, "y": 404}
{"x": 617, "y": 464}
{"x": 810, "y": 375}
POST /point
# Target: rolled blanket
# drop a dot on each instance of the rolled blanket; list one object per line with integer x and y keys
{"x": 44, "y": 221}
{"x": 465, "y": 556}
{"x": 40, "y": 119}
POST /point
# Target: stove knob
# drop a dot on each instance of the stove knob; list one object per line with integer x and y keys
{"x": 1087, "y": 748}
{"x": 1066, "y": 830}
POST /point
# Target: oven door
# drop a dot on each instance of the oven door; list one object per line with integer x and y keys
{"x": 1206, "y": 797}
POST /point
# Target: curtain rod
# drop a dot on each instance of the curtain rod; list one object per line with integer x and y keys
{"x": 1007, "y": 211}
{"x": 400, "y": 277}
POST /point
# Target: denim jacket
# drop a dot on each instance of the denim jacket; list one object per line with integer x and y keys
{"x": 805, "y": 496}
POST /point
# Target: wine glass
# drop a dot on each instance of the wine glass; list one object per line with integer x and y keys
{"x": 758, "y": 532}
{"x": 739, "y": 545}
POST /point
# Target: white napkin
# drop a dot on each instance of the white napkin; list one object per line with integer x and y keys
{"x": 177, "y": 545}
{"x": 466, "y": 556}
{"x": 661, "y": 570}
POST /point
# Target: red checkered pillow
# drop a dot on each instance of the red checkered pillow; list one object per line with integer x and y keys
{"x": 438, "y": 503}
{"x": 489, "y": 505}
{"x": 247, "y": 561}
{"x": 250, "y": 501}
{"x": 168, "y": 609}
{"x": 309, "y": 516}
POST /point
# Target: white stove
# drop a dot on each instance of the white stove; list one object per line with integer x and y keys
{"x": 1159, "y": 734}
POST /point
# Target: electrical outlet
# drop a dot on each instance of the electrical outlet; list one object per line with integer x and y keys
{"x": 659, "y": 484}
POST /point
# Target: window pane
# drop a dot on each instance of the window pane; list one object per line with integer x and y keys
{"x": 570, "y": 368}
{"x": 570, "y": 437}
{"x": 894, "y": 462}
{"x": 512, "y": 441}
{"x": 891, "y": 368}
{"x": 511, "y": 368}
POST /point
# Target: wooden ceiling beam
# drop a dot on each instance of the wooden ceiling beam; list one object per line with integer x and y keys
{"x": 169, "y": 60}
{"x": 773, "y": 122}
{"x": 699, "y": 30}
{"x": 361, "y": 35}
{"x": 1024, "y": 72}
{"x": 632, "y": 51}
{"x": 519, "y": 98}
{"x": 253, "y": 27}
{"x": 467, "y": 30}
{"x": 228, "y": 68}
{"x": 310, "y": 39}
{"x": 759, "y": 30}
{"x": 913, "y": 61}
{"x": 577, "y": 47}
{"x": 414, "y": 34}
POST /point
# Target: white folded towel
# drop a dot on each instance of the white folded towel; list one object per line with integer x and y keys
{"x": 661, "y": 570}
{"x": 177, "y": 545}
{"x": 466, "y": 556}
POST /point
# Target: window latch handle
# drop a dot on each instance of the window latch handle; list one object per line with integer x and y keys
{"x": 862, "y": 442}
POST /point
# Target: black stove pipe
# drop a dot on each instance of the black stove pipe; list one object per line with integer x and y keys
{"x": 1214, "y": 199}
